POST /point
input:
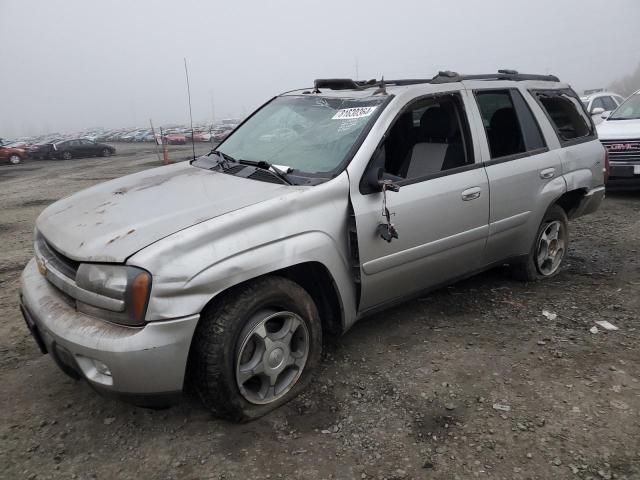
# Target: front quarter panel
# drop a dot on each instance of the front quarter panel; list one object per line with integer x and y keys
{"x": 305, "y": 224}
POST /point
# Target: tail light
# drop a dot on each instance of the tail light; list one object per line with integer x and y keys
{"x": 605, "y": 169}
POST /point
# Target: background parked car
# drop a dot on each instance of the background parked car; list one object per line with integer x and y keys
{"x": 12, "y": 153}
{"x": 620, "y": 134}
{"x": 600, "y": 103}
{"x": 219, "y": 134}
{"x": 43, "y": 150}
{"x": 175, "y": 139}
{"x": 201, "y": 136}
{"x": 80, "y": 147}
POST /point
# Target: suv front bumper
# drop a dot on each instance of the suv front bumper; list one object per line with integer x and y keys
{"x": 144, "y": 365}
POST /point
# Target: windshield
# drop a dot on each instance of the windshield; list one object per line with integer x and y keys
{"x": 629, "y": 110}
{"x": 307, "y": 133}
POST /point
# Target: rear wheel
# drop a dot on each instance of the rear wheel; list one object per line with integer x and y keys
{"x": 256, "y": 348}
{"x": 14, "y": 159}
{"x": 549, "y": 248}
{"x": 105, "y": 152}
{"x": 66, "y": 155}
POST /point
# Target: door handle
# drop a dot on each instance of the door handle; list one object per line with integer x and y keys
{"x": 547, "y": 172}
{"x": 471, "y": 193}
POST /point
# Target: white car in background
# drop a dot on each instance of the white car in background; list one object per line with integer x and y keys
{"x": 620, "y": 134}
{"x": 600, "y": 104}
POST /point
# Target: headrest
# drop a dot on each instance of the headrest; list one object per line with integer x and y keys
{"x": 503, "y": 119}
{"x": 436, "y": 124}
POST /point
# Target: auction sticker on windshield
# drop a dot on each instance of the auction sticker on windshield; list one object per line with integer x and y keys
{"x": 357, "y": 112}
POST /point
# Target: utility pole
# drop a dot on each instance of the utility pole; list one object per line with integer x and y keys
{"x": 155, "y": 139}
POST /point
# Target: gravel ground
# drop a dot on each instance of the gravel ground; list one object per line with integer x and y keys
{"x": 472, "y": 381}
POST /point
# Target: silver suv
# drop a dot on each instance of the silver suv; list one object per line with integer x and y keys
{"x": 325, "y": 205}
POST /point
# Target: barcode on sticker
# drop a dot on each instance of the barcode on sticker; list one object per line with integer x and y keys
{"x": 357, "y": 112}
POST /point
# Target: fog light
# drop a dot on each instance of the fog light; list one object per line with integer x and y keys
{"x": 101, "y": 368}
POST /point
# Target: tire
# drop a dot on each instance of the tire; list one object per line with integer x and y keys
{"x": 14, "y": 159}
{"x": 105, "y": 152}
{"x": 66, "y": 155}
{"x": 539, "y": 263}
{"x": 229, "y": 337}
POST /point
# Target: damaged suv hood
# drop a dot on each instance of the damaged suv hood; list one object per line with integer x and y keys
{"x": 111, "y": 221}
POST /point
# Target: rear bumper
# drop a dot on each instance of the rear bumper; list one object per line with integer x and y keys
{"x": 590, "y": 202}
{"x": 147, "y": 365}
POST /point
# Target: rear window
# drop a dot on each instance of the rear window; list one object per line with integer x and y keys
{"x": 566, "y": 113}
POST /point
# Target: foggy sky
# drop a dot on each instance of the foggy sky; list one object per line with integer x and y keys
{"x": 74, "y": 64}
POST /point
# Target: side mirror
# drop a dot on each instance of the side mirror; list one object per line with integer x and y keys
{"x": 377, "y": 178}
{"x": 605, "y": 115}
{"x": 597, "y": 111}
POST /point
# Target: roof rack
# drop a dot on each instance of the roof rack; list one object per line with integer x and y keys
{"x": 511, "y": 75}
{"x": 442, "y": 77}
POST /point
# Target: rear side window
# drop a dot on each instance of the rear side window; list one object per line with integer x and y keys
{"x": 508, "y": 122}
{"x": 566, "y": 114}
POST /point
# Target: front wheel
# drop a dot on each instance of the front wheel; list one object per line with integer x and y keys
{"x": 255, "y": 348}
{"x": 66, "y": 155}
{"x": 105, "y": 152}
{"x": 15, "y": 159}
{"x": 549, "y": 248}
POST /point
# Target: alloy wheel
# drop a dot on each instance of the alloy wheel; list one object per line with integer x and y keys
{"x": 271, "y": 356}
{"x": 551, "y": 248}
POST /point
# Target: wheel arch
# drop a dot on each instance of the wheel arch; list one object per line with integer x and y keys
{"x": 570, "y": 201}
{"x": 316, "y": 279}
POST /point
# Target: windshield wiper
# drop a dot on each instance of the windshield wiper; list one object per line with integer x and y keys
{"x": 223, "y": 156}
{"x": 267, "y": 166}
{"x": 224, "y": 159}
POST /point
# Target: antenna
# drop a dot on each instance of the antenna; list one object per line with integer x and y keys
{"x": 193, "y": 144}
{"x": 381, "y": 88}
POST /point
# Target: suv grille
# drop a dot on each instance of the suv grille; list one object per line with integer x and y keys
{"x": 623, "y": 150}
{"x": 63, "y": 264}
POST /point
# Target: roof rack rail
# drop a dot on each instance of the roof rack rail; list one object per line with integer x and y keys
{"x": 336, "y": 84}
{"x": 446, "y": 76}
{"x": 518, "y": 77}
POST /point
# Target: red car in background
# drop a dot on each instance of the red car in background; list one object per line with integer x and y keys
{"x": 13, "y": 153}
{"x": 175, "y": 139}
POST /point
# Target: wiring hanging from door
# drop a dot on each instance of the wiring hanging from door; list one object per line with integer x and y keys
{"x": 387, "y": 230}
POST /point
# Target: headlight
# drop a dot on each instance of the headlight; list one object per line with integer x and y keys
{"x": 131, "y": 285}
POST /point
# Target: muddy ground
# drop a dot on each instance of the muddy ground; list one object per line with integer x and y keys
{"x": 419, "y": 391}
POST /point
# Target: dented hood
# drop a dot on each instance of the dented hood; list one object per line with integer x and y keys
{"x": 111, "y": 221}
